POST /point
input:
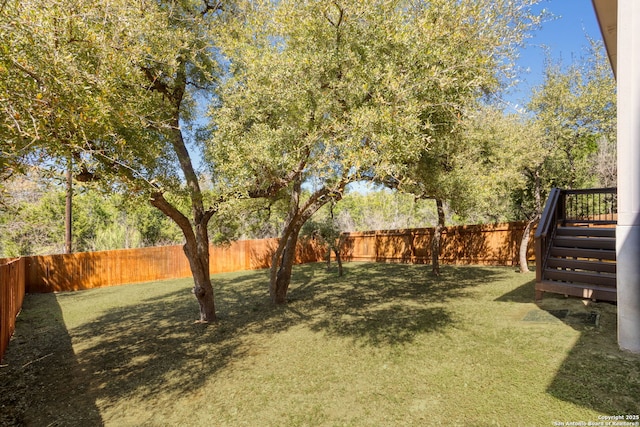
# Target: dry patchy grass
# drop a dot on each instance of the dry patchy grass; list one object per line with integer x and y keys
{"x": 385, "y": 345}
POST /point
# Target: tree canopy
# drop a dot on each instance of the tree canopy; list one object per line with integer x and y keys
{"x": 571, "y": 128}
{"x": 328, "y": 93}
{"x": 352, "y": 90}
{"x": 304, "y": 97}
{"x": 112, "y": 85}
{"x": 575, "y": 107}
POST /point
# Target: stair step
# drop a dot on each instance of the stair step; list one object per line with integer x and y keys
{"x": 583, "y": 253}
{"x": 577, "y": 264}
{"x": 582, "y": 291}
{"x": 580, "y": 277}
{"x": 607, "y": 243}
{"x": 583, "y": 223}
{"x": 586, "y": 231}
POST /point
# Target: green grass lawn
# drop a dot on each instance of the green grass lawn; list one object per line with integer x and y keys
{"x": 385, "y": 345}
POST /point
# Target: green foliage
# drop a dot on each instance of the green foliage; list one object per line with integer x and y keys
{"x": 383, "y": 209}
{"x": 353, "y": 90}
{"x": 497, "y": 148}
{"x": 110, "y": 83}
{"x": 334, "y": 93}
{"x": 478, "y": 167}
{"x": 571, "y": 130}
{"x": 32, "y": 221}
{"x": 66, "y": 86}
{"x": 324, "y": 226}
{"x": 575, "y": 107}
{"x": 34, "y": 228}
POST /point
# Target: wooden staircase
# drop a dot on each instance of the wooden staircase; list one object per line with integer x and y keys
{"x": 576, "y": 246}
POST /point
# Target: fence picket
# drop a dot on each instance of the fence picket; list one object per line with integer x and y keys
{"x": 12, "y": 290}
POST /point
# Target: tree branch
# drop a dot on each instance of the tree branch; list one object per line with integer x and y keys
{"x": 340, "y": 16}
{"x": 320, "y": 198}
{"x": 279, "y": 184}
{"x": 30, "y": 73}
{"x": 156, "y": 83}
{"x": 123, "y": 168}
{"x": 158, "y": 200}
{"x": 208, "y": 7}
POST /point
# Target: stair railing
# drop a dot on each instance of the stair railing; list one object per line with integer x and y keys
{"x": 598, "y": 206}
{"x": 593, "y": 206}
{"x": 546, "y": 227}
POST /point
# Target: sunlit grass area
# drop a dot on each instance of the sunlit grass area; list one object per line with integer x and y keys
{"x": 384, "y": 345}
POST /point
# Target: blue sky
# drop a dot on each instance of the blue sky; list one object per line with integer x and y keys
{"x": 565, "y": 38}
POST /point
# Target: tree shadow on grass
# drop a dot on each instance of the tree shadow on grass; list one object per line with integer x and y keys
{"x": 147, "y": 352}
{"x": 43, "y": 382}
{"x": 150, "y": 349}
{"x": 387, "y": 304}
{"x": 144, "y": 351}
{"x": 595, "y": 374}
{"x": 153, "y": 350}
{"x": 524, "y": 294}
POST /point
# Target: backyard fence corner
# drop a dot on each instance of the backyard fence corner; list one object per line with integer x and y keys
{"x": 12, "y": 290}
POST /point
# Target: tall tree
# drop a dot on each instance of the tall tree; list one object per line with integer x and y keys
{"x": 113, "y": 84}
{"x": 573, "y": 132}
{"x": 575, "y": 107}
{"x": 328, "y": 93}
{"x": 477, "y": 170}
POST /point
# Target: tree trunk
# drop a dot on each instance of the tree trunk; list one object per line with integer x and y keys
{"x": 282, "y": 265}
{"x": 196, "y": 250}
{"x": 328, "y": 257}
{"x": 283, "y": 258}
{"x": 195, "y": 230}
{"x": 336, "y": 250}
{"x": 436, "y": 240}
{"x": 282, "y": 261}
{"x": 524, "y": 245}
{"x": 197, "y": 253}
{"x": 68, "y": 212}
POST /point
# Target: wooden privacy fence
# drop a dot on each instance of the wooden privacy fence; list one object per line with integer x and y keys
{"x": 487, "y": 244}
{"x": 71, "y": 272}
{"x": 494, "y": 244}
{"x": 12, "y": 290}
